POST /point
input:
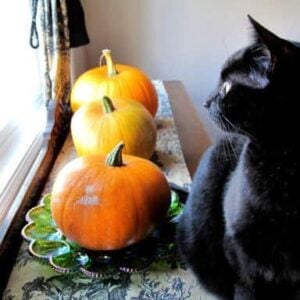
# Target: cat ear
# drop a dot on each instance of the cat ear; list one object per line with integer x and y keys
{"x": 276, "y": 45}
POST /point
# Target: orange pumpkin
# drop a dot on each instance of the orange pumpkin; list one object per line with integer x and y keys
{"x": 109, "y": 203}
{"x": 96, "y": 128}
{"x": 114, "y": 81}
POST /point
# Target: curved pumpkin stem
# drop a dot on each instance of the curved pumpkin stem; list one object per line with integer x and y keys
{"x": 108, "y": 106}
{"x": 114, "y": 158}
{"x": 111, "y": 69}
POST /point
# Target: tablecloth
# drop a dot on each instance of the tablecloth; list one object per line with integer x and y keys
{"x": 166, "y": 280}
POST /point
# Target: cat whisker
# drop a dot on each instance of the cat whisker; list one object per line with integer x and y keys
{"x": 231, "y": 152}
{"x": 229, "y": 123}
{"x": 228, "y": 127}
{"x": 239, "y": 130}
{"x": 236, "y": 155}
{"x": 228, "y": 152}
{"x": 219, "y": 150}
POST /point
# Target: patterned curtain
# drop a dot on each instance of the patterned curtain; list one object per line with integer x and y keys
{"x": 50, "y": 33}
{"x": 57, "y": 25}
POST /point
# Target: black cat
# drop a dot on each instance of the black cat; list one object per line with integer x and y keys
{"x": 240, "y": 230}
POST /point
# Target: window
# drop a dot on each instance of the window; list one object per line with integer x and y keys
{"x": 22, "y": 109}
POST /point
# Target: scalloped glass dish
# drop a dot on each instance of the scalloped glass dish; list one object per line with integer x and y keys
{"x": 46, "y": 242}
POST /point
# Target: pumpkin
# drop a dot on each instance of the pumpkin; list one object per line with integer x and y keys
{"x": 114, "y": 81}
{"x": 108, "y": 203}
{"x": 96, "y": 128}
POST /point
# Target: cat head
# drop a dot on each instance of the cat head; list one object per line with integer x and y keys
{"x": 258, "y": 87}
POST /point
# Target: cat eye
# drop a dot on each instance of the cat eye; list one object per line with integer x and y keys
{"x": 225, "y": 88}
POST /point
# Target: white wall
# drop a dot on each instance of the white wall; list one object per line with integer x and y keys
{"x": 186, "y": 40}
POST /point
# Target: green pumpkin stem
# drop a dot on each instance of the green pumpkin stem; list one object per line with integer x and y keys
{"x": 114, "y": 158}
{"x": 108, "y": 106}
{"x": 111, "y": 69}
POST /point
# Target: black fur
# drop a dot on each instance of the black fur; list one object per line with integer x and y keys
{"x": 240, "y": 230}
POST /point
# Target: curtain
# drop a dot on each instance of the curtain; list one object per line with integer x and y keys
{"x": 57, "y": 25}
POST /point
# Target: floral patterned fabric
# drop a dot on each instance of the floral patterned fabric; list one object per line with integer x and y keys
{"x": 164, "y": 280}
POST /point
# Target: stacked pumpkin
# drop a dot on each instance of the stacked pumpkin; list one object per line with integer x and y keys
{"x": 112, "y": 195}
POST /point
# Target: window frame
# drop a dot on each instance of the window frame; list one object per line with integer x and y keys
{"x": 12, "y": 196}
{"x": 22, "y": 150}
{"x": 14, "y": 191}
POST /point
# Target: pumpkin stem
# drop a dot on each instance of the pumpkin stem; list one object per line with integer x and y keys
{"x": 111, "y": 69}
{"x": 108, "y": 106}
{"x": 114, "y": 158}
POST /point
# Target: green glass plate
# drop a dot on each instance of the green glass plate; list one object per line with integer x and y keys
{"x": 47, "y": 242}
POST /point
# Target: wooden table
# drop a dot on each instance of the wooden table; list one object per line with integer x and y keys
{"x": 191, "y": 132}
